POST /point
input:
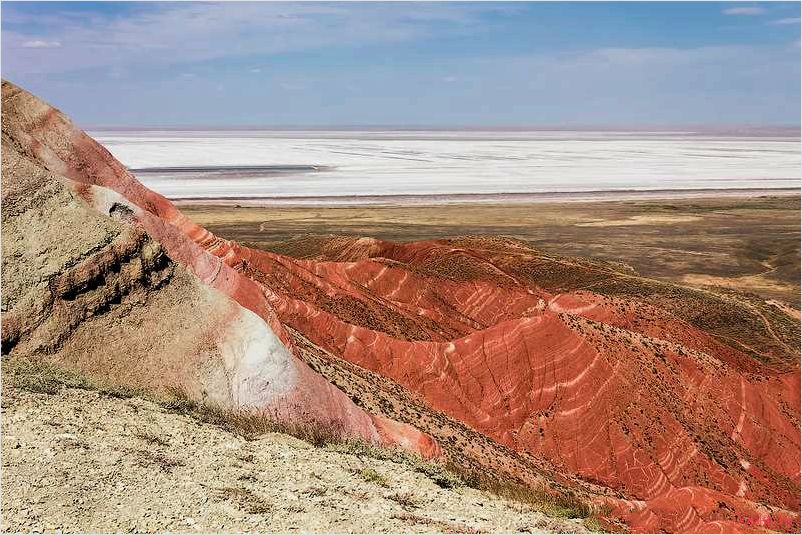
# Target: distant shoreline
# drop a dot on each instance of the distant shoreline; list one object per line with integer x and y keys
{"x": 485, "y": 198}
{"x": 736, "y": 130}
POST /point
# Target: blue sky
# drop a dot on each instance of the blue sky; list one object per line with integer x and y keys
{"x": 409, "y": 63}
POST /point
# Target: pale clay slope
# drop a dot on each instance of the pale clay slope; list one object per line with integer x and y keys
{"x": 80, "y": 461}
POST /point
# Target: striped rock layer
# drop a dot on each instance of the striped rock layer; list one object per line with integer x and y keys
{"x": 678, "y": 409}
{"x": 201, "y": 326}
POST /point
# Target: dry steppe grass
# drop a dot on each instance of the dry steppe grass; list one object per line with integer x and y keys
{"x": 151, "y": 450}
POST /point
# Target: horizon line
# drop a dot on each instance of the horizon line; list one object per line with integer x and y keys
{"x": 658, "y": 128}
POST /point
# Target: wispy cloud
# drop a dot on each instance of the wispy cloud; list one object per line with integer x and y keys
{"x": 390, "y": 63}
{"x": 788, "y": 20}
{"x": 751, "y": 10}
{"x": 168, "y": 34}
{"x": 40, "y": 43}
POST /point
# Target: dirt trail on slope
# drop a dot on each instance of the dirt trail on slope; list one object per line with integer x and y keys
{"x": 78, "y": 460}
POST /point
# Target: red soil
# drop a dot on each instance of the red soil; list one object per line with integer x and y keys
{"x": 696, "y": 434}
{"x": 692, "y": 434}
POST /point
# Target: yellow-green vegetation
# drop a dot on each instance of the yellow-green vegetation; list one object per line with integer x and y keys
{"x": 554, "y": 503}
{"x": 250, "y": 423}
{"x": 41, "y": 376}
{"x": 372, "y": 476}
{"x": 434, "y": 470}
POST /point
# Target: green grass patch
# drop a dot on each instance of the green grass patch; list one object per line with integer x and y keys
{"x": 252, "y": 424}
{"x": 372, "y": 476}
{"x": 44, "y": 377}
{"x": 438, "y": 472}
{"x": 555, "y": 503}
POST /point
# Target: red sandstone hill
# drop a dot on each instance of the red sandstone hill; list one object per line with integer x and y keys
{"x": 677, "y": 408}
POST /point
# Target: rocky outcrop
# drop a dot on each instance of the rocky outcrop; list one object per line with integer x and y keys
{"x": 676, "y": 408}
{"x": 106, "y": 276}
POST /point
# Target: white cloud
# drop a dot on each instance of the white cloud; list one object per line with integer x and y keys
{"x": 752, "y": 10}
{"x": 789, "y": 20}
{"x": 40, "y": 43}
{"x": 256, "y": 70}
{"x": 175, "y": 33}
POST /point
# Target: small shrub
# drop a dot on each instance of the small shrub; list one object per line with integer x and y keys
{"x": 251, "y": 423}
{"x": 359, "y": 495}
{"x": 405, "y": 499}
{"x": 246, "y": 457}
{"x": 165, "y": 463}
{"x": 178, "y": 401}
{"x": 372, "y": 476}
{"x": 412, "y": 519}
{"x": 593, "y": 525}
{"x": 151, "y": 438}
{"x": 121, "y": 392}
{"x": 295, "y": 509}
{"x": 439, "y": 474}
{"x": 314, "y": 492}
{"x": 248, "y": 501}
{"x": 552, "y": 502}
{"x": 437, "y": 525}
{"x": 43, "y": 377}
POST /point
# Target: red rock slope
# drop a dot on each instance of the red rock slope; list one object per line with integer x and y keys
{"x": 683, "y": 404}
{"x": 236, "y": 353}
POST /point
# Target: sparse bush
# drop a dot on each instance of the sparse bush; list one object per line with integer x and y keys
{"x": 405, "y": 499}
{"x": 294, "y": 509}
{"x": 438, "y": 525}
{"x": 151, "y": 438}
{"x": 552, "y": 502}
{"x": 164, "y": 462}
{"x": 252, "y": 423}
{"x": 439, "y": 473}
{"x": 44, "y": 377}
{"x": 178, "y": 401}
{"x": 314, "y": 491}
{"x": 121, "y": 392}
{"x": 415, "y": 519}
{"x": 246, "y": 457}
{"x": 250, "y": 502}
{"x": 592, "y": 524}
{"x": 372, "y": 476}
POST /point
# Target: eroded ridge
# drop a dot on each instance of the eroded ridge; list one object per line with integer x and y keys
{"x": 676, "y": 408}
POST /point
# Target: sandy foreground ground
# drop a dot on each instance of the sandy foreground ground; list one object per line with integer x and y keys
{"x": 81, "y": 461}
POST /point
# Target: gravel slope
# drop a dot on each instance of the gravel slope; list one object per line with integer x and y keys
{"x": 78, "y": 460}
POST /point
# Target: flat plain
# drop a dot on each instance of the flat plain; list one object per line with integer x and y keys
{"x": 751, "y": 244}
